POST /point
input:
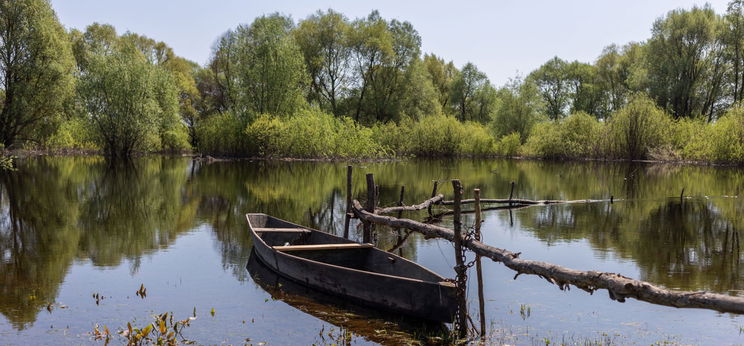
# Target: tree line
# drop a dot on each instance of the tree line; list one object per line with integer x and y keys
{"x": 331, "y": 86}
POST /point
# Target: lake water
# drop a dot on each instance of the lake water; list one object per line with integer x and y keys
{"x": 74, "y": 227}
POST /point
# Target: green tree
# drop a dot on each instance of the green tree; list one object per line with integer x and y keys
{"x": 472, "y": 95}
{"x": 323, "y": 39}
{"x": 132, "y": 103}
{"x": 518, "y": 109}
{"x": 619, "y": 71}
{"x": 271, "y": 75}
{"x": 442, "y": 76}
{"x": 372, "y": 46}
{"x": 35, "y": 70}
{"x": 551, "y": 80}
{"x": 420, "y": 96}
{"x": 388, "y": 83}
{"x": 681, "y": 56}
{"x": 587, "y": 93}
{"x": 733, "y": 36}
{"x": 638, "y": 128}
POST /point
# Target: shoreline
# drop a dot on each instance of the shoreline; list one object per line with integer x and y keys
{"x": 26, "y": 153}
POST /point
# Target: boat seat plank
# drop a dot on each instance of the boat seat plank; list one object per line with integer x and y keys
{"x": 323, "y": 247}
{"x": 282, "y": 230}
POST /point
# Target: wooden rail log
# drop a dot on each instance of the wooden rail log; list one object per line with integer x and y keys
{"x": 522, "y": 201}
{"x": 618, "y": 286}
{"x": 434, "y": 200}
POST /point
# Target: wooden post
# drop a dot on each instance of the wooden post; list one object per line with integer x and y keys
{"x": 348, "y": 201}
{"x": 460, "y": 269}
{"x": 400, "y": 200}
{"x": 682, "y": 194}
{"x": 433, "y": 193}
{"x": 511, "y": 193}
{"x": 478, "y": 269}
{"x": 371, "y": 203}
{"x": 400, "y": 214}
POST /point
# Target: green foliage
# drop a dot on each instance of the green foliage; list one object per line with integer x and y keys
{"x": 518, "y": 108}
{"x": 552, "y": 82}
{"x": 726, "y": 137}
{"x": 222, "y": 134}
{"x": 509, "y": 145}
{"x": 684, "y": 62}
{"x": 576, "y": 136}
{"x": 36, "y": 66}
{"x": 323, "y": 39}
{"x": 690, "y": 139}
{"x": 131, "y": 103}
{"x": 472, "y": 96}
{"x": 260, "y": 68}
{"x": 437, "y": 135}
{"x": 311, "y": 134}
{"x": 75, "y": 133}
{"x": 638, "y": 128}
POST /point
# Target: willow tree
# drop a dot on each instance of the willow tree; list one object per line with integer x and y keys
{"x": 472, "y": 95}
{"x": 261, "y": 68}
{"x": 683, "y": 52}
{"x": 130, "y": 101}
{"x": 35, "y": 70}
{"x": 551, "y": 80}
{"x": 323, "y": 39}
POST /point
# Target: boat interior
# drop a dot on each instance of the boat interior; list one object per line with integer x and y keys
{"x": 326, "y": 248}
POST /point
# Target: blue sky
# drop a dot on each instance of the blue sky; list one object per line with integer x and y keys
{"x": 502, "y": 37}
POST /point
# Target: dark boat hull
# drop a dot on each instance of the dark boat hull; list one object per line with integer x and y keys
{"x": 396, "y": 284}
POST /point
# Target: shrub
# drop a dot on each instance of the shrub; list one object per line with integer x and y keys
{"x": 436, "y": 136}
{"x": 690, "y": 139}
{"x": 311, "y": 134}
{"x": 637, "y": 128}
{"x": 221, "y": 134}
{"x": 509, "y": 145}
{"x": 726, "y": 137}
{"x": 577, "y": 136}
{"x": 476, "y": 140}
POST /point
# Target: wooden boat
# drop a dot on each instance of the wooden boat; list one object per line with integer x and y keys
{"x": 359, "y": 272}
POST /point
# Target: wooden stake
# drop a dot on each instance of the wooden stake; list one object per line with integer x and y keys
{"x": 400, "y": 200}
{"x": 511, "y": 193}
{"x": 460, "y": 269}
{"x": 433, "y": 194}
{"x": 348, "y": 201}
{"x": 478, "y": 269}
{"x": 371, "y": 203}
{"x": 682, "y": 194}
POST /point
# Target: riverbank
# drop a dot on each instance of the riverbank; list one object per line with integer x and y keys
{"x": 25, "y": 153}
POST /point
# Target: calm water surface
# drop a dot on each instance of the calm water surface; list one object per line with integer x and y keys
{"x": 71, "y": 228}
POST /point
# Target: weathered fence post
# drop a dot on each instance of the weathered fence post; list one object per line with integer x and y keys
{"x": 371, "y": 203}
{"x": 433, "y": 193}
{"x": 478, "y": 269}
{"x": 400, "y": 200}
{"x": 460, "y": 269}
{"x": 348, "y": 201}
{"x": 511, "y": 193}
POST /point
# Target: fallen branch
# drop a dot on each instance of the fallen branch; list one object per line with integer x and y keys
{"x": 618, "y": 286}
{"x": 434, "y": 200}
{"x": 522, "y": 201}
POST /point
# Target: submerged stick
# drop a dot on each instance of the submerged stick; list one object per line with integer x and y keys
{"x": 618, "y": 286}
